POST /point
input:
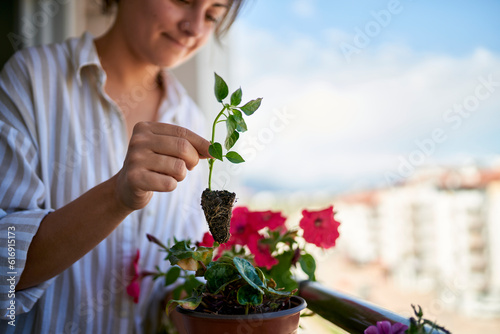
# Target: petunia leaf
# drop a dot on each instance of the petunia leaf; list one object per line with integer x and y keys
{"x": 189, "y": 303}
{"x": 225, "y": 259}
{"x": 261, "y": 274}
{"x": 172, "y": 275}
{"x": 185, "y": 257}
{"x": 279, "y": 292}
{"x": 308, "y": 265}
{"x": 281, "y": 272}
{"x": 248, "y": 272}
{"x": 247, "y": 295}
{"x": 219, "y": 275}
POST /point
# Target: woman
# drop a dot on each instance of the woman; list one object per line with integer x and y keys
{"x": 99, "y": 146}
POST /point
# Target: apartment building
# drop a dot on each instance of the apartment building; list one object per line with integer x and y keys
{"x": 438, "y": 230}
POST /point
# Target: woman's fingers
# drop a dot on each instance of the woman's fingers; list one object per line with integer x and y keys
{"x": 199, "y": 143}
{"x": 152, "y": 181}
{"x": 159, "y": 155}
{"x": 167, "y": 165}
{"x": 175, "y": 147}
{"x": 170, "y": 141}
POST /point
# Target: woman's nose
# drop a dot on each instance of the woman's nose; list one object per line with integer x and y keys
{"x": 193, "y": 24}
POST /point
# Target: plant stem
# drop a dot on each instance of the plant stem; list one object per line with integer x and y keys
{"x": 202, "y": 265}
{"x": 211, "y": 161}
{"x": 210, "y": 167}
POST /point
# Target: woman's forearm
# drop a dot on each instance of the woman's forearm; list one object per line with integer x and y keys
{"x": 67, "y": 234}
{"x": 158, "y": 157}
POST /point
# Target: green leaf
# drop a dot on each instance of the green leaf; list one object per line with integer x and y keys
{"x": 172, "y": 275}
{"x": 419, "y": 313}
{"x": 281, "y": 272}
{"x": 261, "y": 274}
{"x": 308, "y": 265}
{"x": 180, "y": 254}
{"x": 237, "y": 113}
{"x": 225, "y": 259}
{"x": 231, "y": 139}
{"x": 251, "y": 106}
{"x": 190, "y": 303}
{"x": 190, "y": 285}
{"x": 241, "y": 126}
{"x": 231, "y": 124}
{"x": 248, "y": 272}
{"x": 215, "y": 150}
{"x": 236, "y": 97}
{"x": 221, "y": 89}
{"x": 176, "y": 293}
{"x": 234, "y": 157}
{"x": 219, "y": 275}
{"x": 279, "y": 292}
{"x": 249, "y": 296}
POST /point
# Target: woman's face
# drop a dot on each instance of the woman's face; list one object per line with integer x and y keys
{"x": 168, "y": 32}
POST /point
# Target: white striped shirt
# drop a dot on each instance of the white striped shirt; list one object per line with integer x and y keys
{"x": 60, "y": 135}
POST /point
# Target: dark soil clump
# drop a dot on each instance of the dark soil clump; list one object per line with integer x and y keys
{"x": 222, "y": 304}
{"x": 217, "y": 206}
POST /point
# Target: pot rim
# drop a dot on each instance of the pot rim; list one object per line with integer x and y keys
{"x": 269, "y": 315}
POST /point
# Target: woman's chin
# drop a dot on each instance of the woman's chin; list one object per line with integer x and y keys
{"x": 172, "y": 62}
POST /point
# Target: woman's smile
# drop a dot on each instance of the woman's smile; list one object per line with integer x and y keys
{"x": 183, "y": 44}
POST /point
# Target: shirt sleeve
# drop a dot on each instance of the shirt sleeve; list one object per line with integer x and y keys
{"x": 22, "y": 193}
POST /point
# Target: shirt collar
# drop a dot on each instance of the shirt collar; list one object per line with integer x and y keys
{"x": 83, "y": 54}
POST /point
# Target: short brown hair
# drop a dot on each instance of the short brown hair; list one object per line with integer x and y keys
{"x": 222, "y": 26}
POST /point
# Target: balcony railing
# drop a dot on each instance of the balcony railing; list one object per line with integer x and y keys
{"x": 347, "y": 312}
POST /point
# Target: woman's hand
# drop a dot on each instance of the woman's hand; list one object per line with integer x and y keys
{"x": 159, "y": 155}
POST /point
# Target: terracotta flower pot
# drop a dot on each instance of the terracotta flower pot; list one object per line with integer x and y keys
{"x": 280, "y": 322}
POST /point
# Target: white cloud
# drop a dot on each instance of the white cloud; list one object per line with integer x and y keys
{"x": 304, "y": 8}
{"x": 354, "y": 119}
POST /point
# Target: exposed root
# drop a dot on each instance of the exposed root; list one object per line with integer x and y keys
{"x": 217, "y": 206}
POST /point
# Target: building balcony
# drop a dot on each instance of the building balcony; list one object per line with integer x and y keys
{"x": 349, "y": 313}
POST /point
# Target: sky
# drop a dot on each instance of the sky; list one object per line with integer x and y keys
{"x": 362, "y": 93}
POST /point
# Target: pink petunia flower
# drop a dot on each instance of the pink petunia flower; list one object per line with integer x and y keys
{"x": 261, "y": 252}
{"x": 208, "y": 240}
{"x": 385, "y": 327}
{"x": 320, "y": 227}
{"x": 241, "y": 230}
{"x": 134, "y": 287}
{"x": 262, "y": 219}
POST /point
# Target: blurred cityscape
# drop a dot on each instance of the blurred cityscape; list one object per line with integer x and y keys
{"x": 438, "y": 230}
{"x": 432, "y": 240}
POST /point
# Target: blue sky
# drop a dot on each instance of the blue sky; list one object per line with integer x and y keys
{"x": 353, "y": 118}
{"x": 455, "y": 27}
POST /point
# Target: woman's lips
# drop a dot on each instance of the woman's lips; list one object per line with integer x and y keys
{"x": 175, "y": 41}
